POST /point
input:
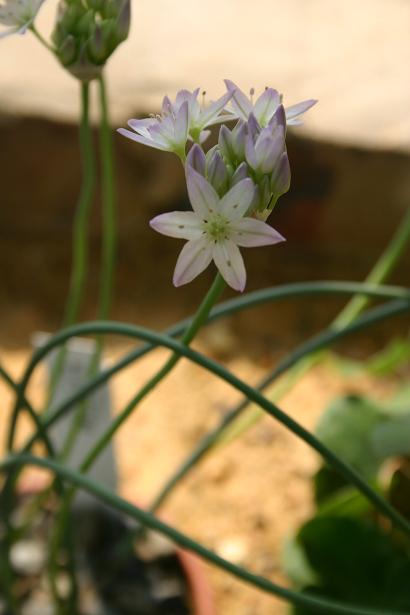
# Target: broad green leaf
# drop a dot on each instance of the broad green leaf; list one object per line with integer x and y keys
{"x": 356, "y": 562}
{"x": 347, "y": 426}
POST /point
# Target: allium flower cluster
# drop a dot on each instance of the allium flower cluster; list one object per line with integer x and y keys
{"x": 180, "y": 121}
{"x": 18, "y": 15}
{"x": 232, "y": 187}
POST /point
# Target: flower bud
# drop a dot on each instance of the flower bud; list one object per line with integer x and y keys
{"x": 196, "y": 159}
{"x": 232, "y": 144}
{"x": 216, "y": 171}
{"x": 87, "y": 33}
{"x": 280, "y": 179}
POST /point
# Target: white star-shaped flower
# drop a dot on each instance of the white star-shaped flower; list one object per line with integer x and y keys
{"x": 214, "y": 230}
{"x": 265, "y": 106}
{"x": 18, "y": 15}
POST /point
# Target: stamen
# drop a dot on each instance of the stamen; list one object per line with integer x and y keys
{"x": 252, "y": 93}
{"x": 203, "y": 98}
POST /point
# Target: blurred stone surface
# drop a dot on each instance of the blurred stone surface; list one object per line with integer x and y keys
{"x": 352, "y": 56}
{"x": 350, "y": 180}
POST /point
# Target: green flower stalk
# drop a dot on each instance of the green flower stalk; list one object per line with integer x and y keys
{"x": 88, "y": 32}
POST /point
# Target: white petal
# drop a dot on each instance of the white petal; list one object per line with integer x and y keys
{"x": 229, "y": 261}
{"x": 180, "y": 224}
{"x": 181, "y": 124}
{"x": 250, "y": 233}
{"x": 209, "y": 114}
{"x": 8, "y": 18}
{"x": 196, "y": 159}
{"x": 9, "y": 32}
{"x": 269, "y": 148}
{"x": 236, "y": 202}
{"x": 240, "y": 103}
{"x": 294, "y": 122}
{"x": 203, "y": 136}
{"x": 144, "y": 140}
{"x": 203, "y": 198}
{"x": 250, "y": 153}
{"x": 163, "y": 131}
{"x": 195, "y": 256}
{"x": 141, "y": 126}
{"x": 166, "y": 107}
{"x": 266, "y": 105}
{"x": 299, "y": 108}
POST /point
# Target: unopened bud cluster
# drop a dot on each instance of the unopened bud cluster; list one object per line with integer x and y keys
{"x": 87, "y": 32}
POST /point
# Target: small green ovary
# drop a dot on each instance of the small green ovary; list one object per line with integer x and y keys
{"x": 217, "y": 228}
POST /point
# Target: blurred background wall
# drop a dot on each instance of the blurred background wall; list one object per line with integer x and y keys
{"x": 350, "y": 160}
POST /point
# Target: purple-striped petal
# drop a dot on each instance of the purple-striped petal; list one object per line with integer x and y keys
{"x": 144, "y": 140}
{"x": 181, "y": 124}
{"x": 240, "y": 103}
{"x": 250, "y": 153}
{"x": 278, "y": 119}
{"x": 280, "y": 180}
{"x": 268, "y": 148}
{"x": 203, "y": 198}
{"x": 166, "y": 105}
{"x": 266, "y": 105}
{"x": 6, "y": 33}
{"x": 141, "y": 126}
{"x": 254, "y": 127}
{"x": 295, "y": 110}
{"x": 225, "y": 142}
{"x": 210, "y": 112}
{"x": 236, "y": 202}
{"x": 230, "y": 263}
{"x": 194, "y": 258}
{"x": 196, "y": 159}
{"x": 240, "y": 173}
{"x": 250, "y": 233}
{"x": 203, "y": 136}
{"x": 179, "y": 224}
{"x": 216, "y": 171}
{"x": 294, "y": 122}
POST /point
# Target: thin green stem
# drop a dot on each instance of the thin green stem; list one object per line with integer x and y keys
{"x": 321, "y": 605}
{"x": 242, "y": 417}
{"x": 224, "y": 309}
{"x": 380, "y": 272}
{"x": 75, "y": 298}
{"x": 108, "y": 207}
{"x": 299, "y": 358}
{"x": 42, "y": 40}
{"x": 42, "y": 433}
{"x": 80, "y": 235}
{"x": 201, "y": 316}
{"x": 392, "y": 309}
{"x": 108, "y": 251}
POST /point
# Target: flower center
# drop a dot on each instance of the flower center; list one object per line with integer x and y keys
{"x": 217, "y": 228}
